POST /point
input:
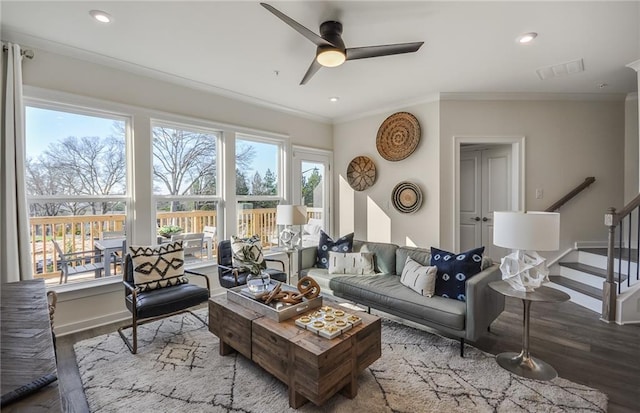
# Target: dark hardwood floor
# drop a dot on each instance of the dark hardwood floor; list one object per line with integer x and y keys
{"x": 572, "y": 339}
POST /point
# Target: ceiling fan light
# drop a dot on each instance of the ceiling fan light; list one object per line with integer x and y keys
{"x": 331, "y": 58}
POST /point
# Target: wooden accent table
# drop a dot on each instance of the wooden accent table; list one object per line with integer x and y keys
{"x": 27, "y": 345}
{"x": 313, "y": 367}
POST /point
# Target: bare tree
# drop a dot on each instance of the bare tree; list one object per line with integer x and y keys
{"x": 89, "y": 166}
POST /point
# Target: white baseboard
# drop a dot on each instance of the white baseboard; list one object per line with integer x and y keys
{"x": 70, "y": 328}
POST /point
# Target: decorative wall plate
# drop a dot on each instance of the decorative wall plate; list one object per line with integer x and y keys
{"x": 406, "y": 197}
{"x": 361, "y": 173}
{"x": 398, "y": 136}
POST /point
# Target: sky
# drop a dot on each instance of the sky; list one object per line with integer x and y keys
{"x": 44, "y": 126}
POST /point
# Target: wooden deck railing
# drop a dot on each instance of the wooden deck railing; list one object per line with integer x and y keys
{"x": 78, "y": 232}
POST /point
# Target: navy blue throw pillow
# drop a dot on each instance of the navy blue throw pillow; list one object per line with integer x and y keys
{"x": 454, "y": 270}
{"x": 326, "y": 244}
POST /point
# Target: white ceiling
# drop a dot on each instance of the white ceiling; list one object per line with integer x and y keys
{"x": 239, "y": 46}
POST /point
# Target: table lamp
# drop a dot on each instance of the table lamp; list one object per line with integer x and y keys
{"x": 526, "y": 232}
{"x": 289, "y": 215}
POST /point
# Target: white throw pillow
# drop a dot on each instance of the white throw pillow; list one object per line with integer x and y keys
{"x": 420, "y": 278}
{"x": 358, "y": 263}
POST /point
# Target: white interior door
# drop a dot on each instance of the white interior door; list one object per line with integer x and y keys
{"x": 485, "y": 187}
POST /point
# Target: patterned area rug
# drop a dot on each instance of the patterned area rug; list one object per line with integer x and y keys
{"x": 178, "y": 369}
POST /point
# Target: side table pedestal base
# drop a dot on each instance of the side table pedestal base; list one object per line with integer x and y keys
{"x": 529, "y": 367}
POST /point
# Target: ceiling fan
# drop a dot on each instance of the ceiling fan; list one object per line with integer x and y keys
{"x": 331, "y": 51}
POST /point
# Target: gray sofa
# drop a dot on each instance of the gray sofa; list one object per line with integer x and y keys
{"x": 383, "y": 291}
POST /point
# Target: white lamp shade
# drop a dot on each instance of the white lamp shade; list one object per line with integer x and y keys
{"x": 291, "y": 215}
{"x": 528, "y": 231}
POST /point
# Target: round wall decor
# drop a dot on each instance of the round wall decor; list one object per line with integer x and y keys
{"x": 406, "y": 197}
{"x": 361, "y": 173}
{"x": 398, "y": 136}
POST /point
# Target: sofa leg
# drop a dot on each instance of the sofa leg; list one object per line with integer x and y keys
{"x": 369, "y": 310}
{"x": 462, "y": 347}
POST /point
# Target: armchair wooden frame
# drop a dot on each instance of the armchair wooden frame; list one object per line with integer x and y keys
{"x": 137, "y": 321}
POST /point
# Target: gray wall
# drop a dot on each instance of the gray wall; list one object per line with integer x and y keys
{"x": 369, "y": 213}
{"x": 565, "y": 142}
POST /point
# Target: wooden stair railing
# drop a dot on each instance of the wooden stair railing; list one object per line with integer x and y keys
{"x": 575, "y": 191}
{"x": 616, "y": 219}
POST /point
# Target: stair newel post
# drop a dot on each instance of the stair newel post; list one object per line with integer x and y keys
{"x": 609, "y": 285}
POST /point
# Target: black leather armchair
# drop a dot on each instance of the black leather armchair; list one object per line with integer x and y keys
{"x": 152, "y": 305}
{"x": 231, "y": 276}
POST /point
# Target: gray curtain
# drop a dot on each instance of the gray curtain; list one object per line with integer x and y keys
{"x": 15, "y": 258}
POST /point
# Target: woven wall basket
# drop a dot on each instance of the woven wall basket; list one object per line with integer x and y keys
{"x": 361, "y": 173}
{"x": 406, "y": 197}
{"x": 398, "y": 136}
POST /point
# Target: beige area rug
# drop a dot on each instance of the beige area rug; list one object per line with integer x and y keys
{"x": 178, "y": 369}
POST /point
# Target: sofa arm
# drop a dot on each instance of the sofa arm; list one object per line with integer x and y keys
{"x": 307, "y": 257}
{"x": 484, "y": 304}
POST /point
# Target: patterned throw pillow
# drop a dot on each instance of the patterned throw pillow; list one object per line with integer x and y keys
{"x": 247, "y": 254}
{"x": 420, "y": 278}
{"x": 359, "y": 263}
{"x": 326, "y": 244}
{"x": 454, "y": 270}
{"x": 158, "y": 267}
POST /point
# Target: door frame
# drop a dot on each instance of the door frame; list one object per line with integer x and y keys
{"x": 517, "y": 144}
{"x": 317, "y": 155}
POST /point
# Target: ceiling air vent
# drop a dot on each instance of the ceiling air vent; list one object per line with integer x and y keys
{"x": 562, "y": 69}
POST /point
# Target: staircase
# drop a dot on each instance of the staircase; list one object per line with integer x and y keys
{"x": 582, "y": 272}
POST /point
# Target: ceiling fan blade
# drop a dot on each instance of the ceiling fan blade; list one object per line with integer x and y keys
{"x": 315, "y": 66}
{"x": 319, "y": 41}
{"x": 383, "y": 50}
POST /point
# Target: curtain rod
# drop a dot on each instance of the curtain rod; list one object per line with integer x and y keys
{"x": 28, "y": 53}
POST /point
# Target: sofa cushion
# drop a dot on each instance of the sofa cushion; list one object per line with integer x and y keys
{"x": 321, "y": 275}
{"x": 342, "y": 244}
{"x": 385, "y": 254}
{"x": 420, "y": 278}
{"x": 386, "y": 293}
{"x": 420, "y": 255}
{"x": 158, "y": 267}
{"x": 454, "y": 270}
{"x": 358, "y": 263}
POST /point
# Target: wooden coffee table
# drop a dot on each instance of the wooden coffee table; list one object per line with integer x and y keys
{"x": 313, "y": 367}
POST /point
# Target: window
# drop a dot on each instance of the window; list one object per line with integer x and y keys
{"x": 259, "y": 186}
{"x": 76, "y": 178}
{"x": 185, "y": 183}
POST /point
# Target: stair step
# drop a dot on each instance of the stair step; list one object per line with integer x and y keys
{"x": 603, "y": 252}
{"x": 589, "y": 269}
{"x": 587, "y": 290}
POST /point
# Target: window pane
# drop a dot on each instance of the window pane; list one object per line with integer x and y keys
{"x": 258, "y": 218}
{"x": 189, "y": 217}
{"x": 257, "y": 168}
{"x": 74, "y": 226}
{"x": 184, "y": 161}
{"x": 71, "y": 154}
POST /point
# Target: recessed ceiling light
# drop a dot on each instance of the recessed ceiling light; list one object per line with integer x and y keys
{"x": 527, "y": 37}
{"x": 334, "y": 99}
{"x": 101, "y": 16}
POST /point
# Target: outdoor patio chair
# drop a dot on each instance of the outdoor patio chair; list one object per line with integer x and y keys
{"x": 192, "y": 243}
{"x": 162, "y": 288}
{"x": 78, "y": 262}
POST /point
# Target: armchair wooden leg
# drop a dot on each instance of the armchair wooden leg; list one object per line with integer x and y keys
{"x": 462, "y": 347}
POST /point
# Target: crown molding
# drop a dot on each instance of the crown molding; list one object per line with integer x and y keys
{"x": 392, "y": 107}
{"x": 39, "y": 43}
{"x": 535, "y": 96}
{"x": 635, "y": 65}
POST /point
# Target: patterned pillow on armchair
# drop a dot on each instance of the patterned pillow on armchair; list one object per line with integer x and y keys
{"x": 158, "y": 267}
{"x": 247, "y": 254}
